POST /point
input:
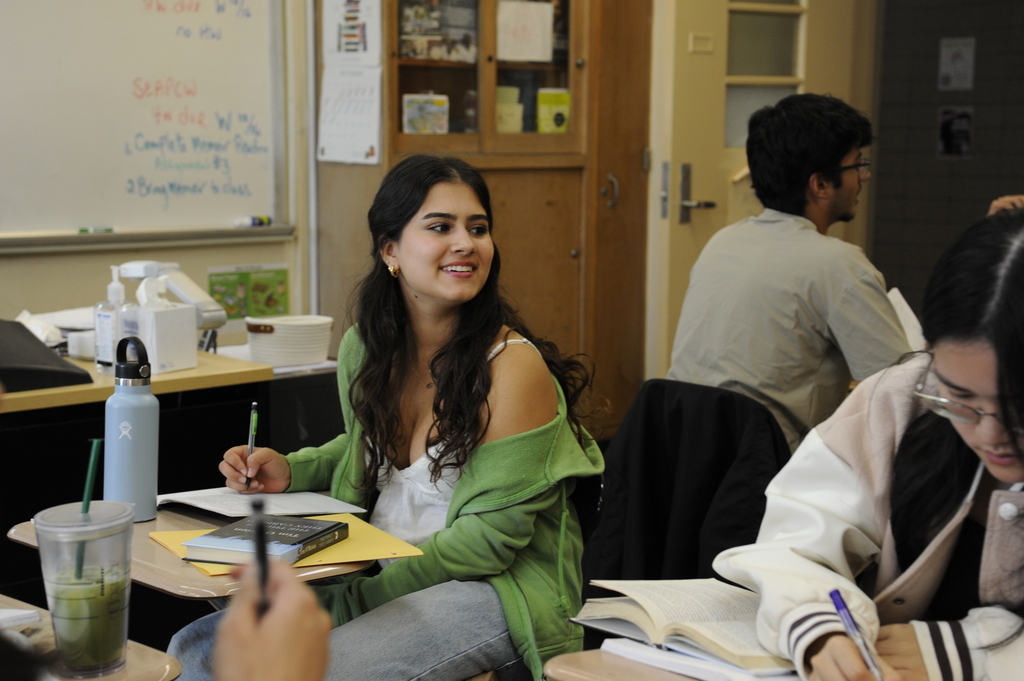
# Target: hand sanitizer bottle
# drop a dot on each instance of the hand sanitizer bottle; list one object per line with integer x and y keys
{"x": 108, "y": 324}
{"x": 131, "y": 434}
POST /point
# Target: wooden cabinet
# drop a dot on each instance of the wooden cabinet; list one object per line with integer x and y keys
{"x": 495, "y": 101}
{"x": 560, "y": 236}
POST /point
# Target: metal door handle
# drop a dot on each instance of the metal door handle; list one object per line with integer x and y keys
{"x": 615, "y": 191}
{"x": 685, "y": 203}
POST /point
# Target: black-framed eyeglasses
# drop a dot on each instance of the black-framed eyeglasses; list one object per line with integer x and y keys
{"x": 955, "y": 411}
{"x": 863, "y": 168}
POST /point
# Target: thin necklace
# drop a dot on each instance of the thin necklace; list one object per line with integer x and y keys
{"x": 419, "y": 380}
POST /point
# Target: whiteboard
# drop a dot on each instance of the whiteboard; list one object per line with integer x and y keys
{"x": 139, "y": 114}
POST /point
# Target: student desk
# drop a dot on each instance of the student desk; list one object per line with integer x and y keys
{"x": 156, "y": 567}
{"x": 597, "y": 665}
{"x": 142, "y": 663}
{"x": 203, "y": 412}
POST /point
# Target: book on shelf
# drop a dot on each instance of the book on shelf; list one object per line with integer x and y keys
{"x": 425, "y": 114}
{"x": 690, "y": 615}
{"x": 288, "y": 539}
{"x": 553, "y": 109}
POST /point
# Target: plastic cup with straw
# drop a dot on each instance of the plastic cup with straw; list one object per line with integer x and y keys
{"x": 90, "y": 479}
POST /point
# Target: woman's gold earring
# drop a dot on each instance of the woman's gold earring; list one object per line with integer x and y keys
{"x": 393, "y": 269}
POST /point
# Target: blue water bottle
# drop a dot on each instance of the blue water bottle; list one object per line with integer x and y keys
{"x": 131, "y": 434}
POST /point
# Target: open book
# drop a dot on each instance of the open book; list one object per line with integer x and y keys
{"x": 711, "y": 614}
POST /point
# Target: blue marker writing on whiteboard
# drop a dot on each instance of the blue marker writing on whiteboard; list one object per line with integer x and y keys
{"x": 254, "y": 221}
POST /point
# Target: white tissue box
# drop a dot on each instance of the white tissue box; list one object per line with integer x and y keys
{"x": 82, "y": 344}
{"x": 169, "y": 335}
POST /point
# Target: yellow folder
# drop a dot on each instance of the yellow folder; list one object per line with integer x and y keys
{"x": 364, "y": 542}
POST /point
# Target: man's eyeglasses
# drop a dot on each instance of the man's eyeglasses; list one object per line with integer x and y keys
{"x": 956, "y": 411}
{"x": 863, "y": 168}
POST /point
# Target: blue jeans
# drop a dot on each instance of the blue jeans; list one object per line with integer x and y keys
{"x": 448, "y": 632}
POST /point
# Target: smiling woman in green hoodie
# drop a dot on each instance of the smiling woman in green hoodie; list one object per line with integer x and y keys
{"x": 463, "y": 438}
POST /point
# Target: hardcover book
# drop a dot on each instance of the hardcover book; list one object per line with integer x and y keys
{"x": 288, "y": 539}
{"x": 685, "y": 614}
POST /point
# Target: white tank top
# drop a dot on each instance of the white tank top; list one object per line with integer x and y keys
{"x": 410, "y": 506}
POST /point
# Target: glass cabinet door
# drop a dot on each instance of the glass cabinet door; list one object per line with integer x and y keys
{"x": 437, "y": 99}
{"x": 487, "y": 76}
{"x": 538, "y": 93}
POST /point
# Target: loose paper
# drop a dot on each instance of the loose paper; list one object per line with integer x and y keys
{"x": 525, "y": 31}
{"x": 909, "y": 320}
{"x": 349, "y": 130}
{"x": 956, "y": 64}
{"x": 237, "y": 505}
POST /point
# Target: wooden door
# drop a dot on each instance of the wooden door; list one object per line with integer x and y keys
{"x": 730, "y": 58}
{"x": 537, "y": 230}
{"x": 617, "y": 185}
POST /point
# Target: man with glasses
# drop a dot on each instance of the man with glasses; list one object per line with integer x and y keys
{"x": 776, "y": 309}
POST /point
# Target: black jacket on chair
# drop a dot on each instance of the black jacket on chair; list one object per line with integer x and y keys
{"x": 684, "y": 480}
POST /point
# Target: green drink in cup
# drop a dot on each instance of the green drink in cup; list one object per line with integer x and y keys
{"x": 86, "y": 560}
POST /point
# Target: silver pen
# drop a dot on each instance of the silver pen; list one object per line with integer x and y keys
{"x": 252, "y": 441}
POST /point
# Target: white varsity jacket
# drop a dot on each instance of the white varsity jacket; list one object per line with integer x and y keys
{"x": 827, "y": 521}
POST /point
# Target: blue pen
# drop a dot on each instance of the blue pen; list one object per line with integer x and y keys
{"x": 854, "y": 633}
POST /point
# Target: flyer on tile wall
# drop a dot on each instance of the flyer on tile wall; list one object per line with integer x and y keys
{"x": 250, "y": 290}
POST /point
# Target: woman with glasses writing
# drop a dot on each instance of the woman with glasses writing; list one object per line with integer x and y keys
{"x": 907, "y": 500}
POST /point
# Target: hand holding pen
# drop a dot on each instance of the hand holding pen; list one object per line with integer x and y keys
{"x": 836, "y": 657}
{"x": 854, "y": 633}
{"x": 252, "y": 441}
{"x": 266, "y": 470}
{"x": 260, "y": 539}
{"x": 290, "y": 641}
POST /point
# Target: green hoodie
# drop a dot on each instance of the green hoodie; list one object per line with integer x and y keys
{"x": 510, "y": 522}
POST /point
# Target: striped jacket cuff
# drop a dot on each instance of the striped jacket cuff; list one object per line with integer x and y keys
{"x": 945, "y": 651}
{"x": 806, "y": 630}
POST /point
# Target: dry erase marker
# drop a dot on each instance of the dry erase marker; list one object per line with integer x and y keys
{"x": 260, "y": 541}
{"x": 252, "y": 441}
{"x": 854, "y": 632}
{"x": 254, "y": 221}
{"x": 95, "y": 230}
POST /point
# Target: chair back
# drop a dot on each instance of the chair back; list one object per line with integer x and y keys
{"x": 684, "y": 480}
{"x": 587, "y": 500}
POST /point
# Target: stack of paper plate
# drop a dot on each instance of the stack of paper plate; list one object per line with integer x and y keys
{"x": 289, "y": 341}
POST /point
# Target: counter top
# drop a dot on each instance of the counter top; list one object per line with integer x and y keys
{"x": 213, "y": 371}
